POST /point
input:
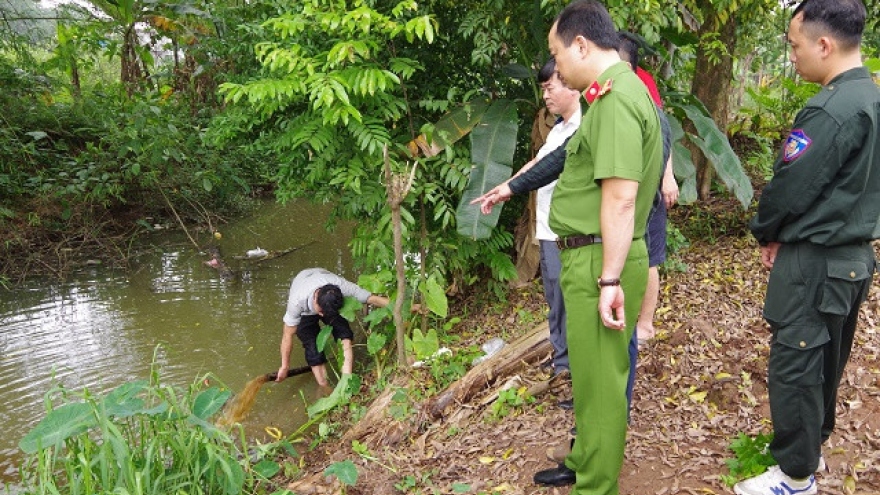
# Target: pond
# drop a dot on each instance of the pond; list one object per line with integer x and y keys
{"x": 102, "y": 327}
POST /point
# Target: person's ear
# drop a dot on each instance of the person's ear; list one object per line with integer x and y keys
{"x": 583, "y": 45}
{"x": 826, "y": 46}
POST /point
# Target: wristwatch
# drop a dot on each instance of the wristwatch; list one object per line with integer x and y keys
{"x": 609, "y": 282}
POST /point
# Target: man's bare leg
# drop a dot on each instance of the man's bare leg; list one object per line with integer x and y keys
{"x": 320, "y": 372}
{"x": 645, "y": 325}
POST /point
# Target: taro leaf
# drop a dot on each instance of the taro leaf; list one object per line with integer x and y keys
{"x": 424, "y": 345}
{"x": 157, "y": 410}
{"x": 435, "y": 297}
{"x": 349, "y": 308}
{"x": 210, "y": 401}
{"x": 340, "y": 394}
{"x": 123, "y": 401}
{"x": 267, "y": 468}
{"x": 323, "y": 337}
{"x": 345, "y": 471}
{"x": 714, "y": 144}
{"x": 375, "y": 342}
{"x": 377, "y": 315}
{"x": 873, "y": 64}
{"x": 682, "y": 164}
{"x": 60, "y": 424}
{"x": 493, "y": 143}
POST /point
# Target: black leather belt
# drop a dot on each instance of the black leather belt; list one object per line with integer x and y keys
{"x": 576, "y": 241}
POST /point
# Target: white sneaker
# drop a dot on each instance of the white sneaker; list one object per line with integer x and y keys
{"x": 775, "y": 482}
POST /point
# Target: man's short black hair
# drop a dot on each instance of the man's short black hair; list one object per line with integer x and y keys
{"x": 330, "y": 299}
{"x": 843, "y": 20}
{"x": 547, "y": 71}
{"x": 587, "y": 18}
{"x": 629, "y": 48}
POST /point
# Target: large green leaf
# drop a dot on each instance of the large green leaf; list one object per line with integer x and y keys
{"x": 435, "y": 297}
{"x": 345, "y": 471}
{"x": 341, "y": 393}
{"x": 60, "y": 424}
{"x": 124, "y": 401}
{"x": 209, "y": 402}
{"x": 493, "y": 143}
{"x": 349, "y": 308}
{"x": 454, "y": 125}
{"x": 683, "y": 164}
{"x": 715, "y": 146}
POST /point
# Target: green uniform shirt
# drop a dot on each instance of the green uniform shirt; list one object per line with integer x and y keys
{"x": 826, "y": 180}
{"x": 619, "y": 137}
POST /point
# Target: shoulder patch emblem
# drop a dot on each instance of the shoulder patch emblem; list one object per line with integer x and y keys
{"x": 595, "y": 91}
{"x": 797, "y": 143}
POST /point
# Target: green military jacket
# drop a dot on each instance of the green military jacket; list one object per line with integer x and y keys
{"x": 826, "y": 180}
{"x": 619, "y": 137}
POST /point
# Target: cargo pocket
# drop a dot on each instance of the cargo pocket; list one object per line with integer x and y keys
{"x": 842, "y": 286}
{"x": 795, "y": 357}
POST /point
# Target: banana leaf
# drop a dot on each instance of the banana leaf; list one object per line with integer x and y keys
{"x": 454, "y": 125}
{"x": 493, "y": 143}
{"x": 715, "y": 146}
{"x": 682, "y": 164}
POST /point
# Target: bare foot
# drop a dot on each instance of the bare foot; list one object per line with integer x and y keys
{"x": 645, "y": 334}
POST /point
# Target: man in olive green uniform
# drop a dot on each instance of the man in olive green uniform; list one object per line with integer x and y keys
{"x": 815, "y": 221}
{"x": 599, "y": 210}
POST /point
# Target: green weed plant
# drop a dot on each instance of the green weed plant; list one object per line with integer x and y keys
{"x": 510, "y": 401}
{"x": 752, "y": 457}
{"x": 144, "y": 437}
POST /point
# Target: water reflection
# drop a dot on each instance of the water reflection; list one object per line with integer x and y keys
{"x": 102, "y": 328}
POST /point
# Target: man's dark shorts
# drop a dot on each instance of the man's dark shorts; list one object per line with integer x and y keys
{"x": 308, "y": 330}
{"x": 655, "y": 234}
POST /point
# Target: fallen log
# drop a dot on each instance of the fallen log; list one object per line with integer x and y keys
{"x": 527, "y": 349}
{"x": 376, "y": 428}
{"x": 271, "y": 255}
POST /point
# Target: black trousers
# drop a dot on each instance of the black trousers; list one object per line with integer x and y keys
{"x": 812, "y": 305}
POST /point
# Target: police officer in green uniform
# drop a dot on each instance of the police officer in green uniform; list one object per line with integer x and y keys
{"x": 599, "y": 210}
{"x": 815, "y": 221}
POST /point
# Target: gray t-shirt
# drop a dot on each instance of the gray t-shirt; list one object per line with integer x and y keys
{"x": 303, "y": 288}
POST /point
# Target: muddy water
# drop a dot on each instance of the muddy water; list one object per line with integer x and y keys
{"x": 102, "y": 327}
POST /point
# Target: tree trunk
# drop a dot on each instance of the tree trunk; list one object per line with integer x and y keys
{"x": 397, "y": 187}
{"x": 712, "y": 82}
{"x": 528, "y": 254}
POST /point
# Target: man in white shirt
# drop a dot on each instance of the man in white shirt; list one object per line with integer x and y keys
{"x": 564, "y": 102}
{"x": 318, "y": 295}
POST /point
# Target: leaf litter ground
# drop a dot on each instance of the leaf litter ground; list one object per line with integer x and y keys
{"x": 701, "y": 381}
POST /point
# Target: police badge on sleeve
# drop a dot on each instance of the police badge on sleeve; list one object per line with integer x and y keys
{"x": 797, "y": 143}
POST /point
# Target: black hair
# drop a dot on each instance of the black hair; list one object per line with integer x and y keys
{"x": 844, "y": 20}
{"x": 547, "y": 71}
{"x": 330, "y": 300}
{"x": 587, "y": 18}
{"x": 629, "y": 47}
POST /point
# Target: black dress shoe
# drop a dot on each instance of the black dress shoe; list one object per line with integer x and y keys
{"x": 559, "y": 476}
{"x": 567, "y": 404}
